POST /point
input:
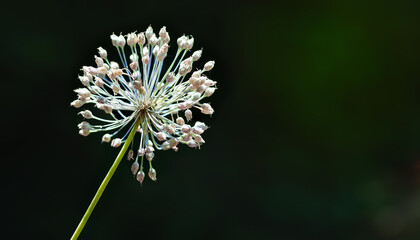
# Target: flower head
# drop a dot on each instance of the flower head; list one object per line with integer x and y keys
{"x": 138, "y": 91}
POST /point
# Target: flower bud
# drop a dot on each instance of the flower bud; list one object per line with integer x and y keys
{"x": 145, "y": 59}
{"x": 121, "y": 41}
{"x": 130, "y": 155}
{"x": 209, "y": 82}
{"x": 180, "y": 121}
{"x": 197, "y": 130}
{"x": 115, "y": 88}
{"x": 155, "y": 50}
{"x": 102, "y": 52}
{"x": 131, "y": 39}
{"x": 102, "y": 70}
{"x": 152, "y": 174}
{"x": 84, "y": 80}
{"x": 114, "y": 39}
{"x": 166, "y": 145}
{"x": 209, "y": 65}
{"x": 116, "y": 142}
{"x": 209, "y": 91}
{"x": 142, "y": 151}
{"x": 154, "y": 40}
{"x": 106, "y": 138}
{"x": 170, "y": 77}
{"x": 150, "y": 156}
{"x": 207, "y": 109}
{"x": 99, "y": 82}
{"x": 161, "y": 136}
{"x": 83, "y": 93}
{"x": 99, "y": 61}
{"x": 186, "y": 137}
{"x": 173, "y": 142}
{"x": 190, "y": 43}
{"x": 134, "y": 167}
{"x": 140, "y": 177}
{"x": 197, "y": 55}
{"x": 141, "y": 38}
{"x": 84, "y": 133}
{"x": 149, "y": 32}
{"x": 142, "y": 90}
{"x": 186, "y": 128}
{"x": 137, "y": 84}
{"x": 134, "y": 65}
{"x": 162, "y": 32}
{"x": 199, "y": 139}
{"x": 192, "y": 144}
{"x": 77, "y": 103}
{"x": 188, "y": 115}
{"x": 86, "y": 114}
{"x": 200, "y": 125}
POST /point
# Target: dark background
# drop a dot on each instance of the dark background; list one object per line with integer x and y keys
{"x": 316, "y": 131}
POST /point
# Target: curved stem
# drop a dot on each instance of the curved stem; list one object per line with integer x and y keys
{"x": 105, "y": 181}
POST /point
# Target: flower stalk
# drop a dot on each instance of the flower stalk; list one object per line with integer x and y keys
{"x": 105, "y": 181}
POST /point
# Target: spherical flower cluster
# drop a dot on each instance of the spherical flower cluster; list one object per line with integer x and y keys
{"x": 139, "y": 93}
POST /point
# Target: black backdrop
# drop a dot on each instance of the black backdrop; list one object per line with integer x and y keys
{"x": 316, "y": 131}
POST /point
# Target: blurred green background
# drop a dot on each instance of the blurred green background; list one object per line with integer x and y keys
{"x": 316, "y": 131}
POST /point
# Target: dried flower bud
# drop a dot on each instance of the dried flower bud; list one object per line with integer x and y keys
{"x": 188, "y": 115}
{"x": 142, "y": 90}
{"x": 152, "y": 174}
{"x": 130, "y": 155}
{"x": 116, "y": 142}
{"x": 197, "y": 55}
{"x": 106, "y": 137}
{"x": 102, "y": 52}
{"x": 137, "y": 84}
{"x": 134, "y": 167}
{"x": 209, "y": 65}
{"x": 140, "y": 177}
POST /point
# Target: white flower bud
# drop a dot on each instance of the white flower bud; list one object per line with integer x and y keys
{"x": 170, "y": 77}
{"x": 140, "y": 177}
{"x": 210, "y": 83}
{"x": 199, "y": 139}
{"x": 200, "y": 125}
{"x": 150, "y": 156}
{"x": 134, "y": 57}
{"x": 154, "y": 40}
{"x": 99, "y": 82}
{"x": 161, "y": 136}
{"x": 197, "y": 130}
{"x": 209, "y": 65}
{"x": 121, "y": 41}
{"x": 142, "y": 151}
{"x": 173, "y": 142}
{"x": 114, "y": 39}
{"x": 192, "y": 144}
{"x": 186, "y": 128}
{"x": 116, "y": 142}
{"x": 166, "y": 145}
{"x": 99, "y": 61}
{"x": 188, "y": 115}
{"x": 197, "y": 55}
{"x": 130, "y": 155}
{"x": 83, "y": 93}
{"x": 152, "y": 174}
{"x": 107, "y": 108}
{"x": 115, "y": 88}
{"x": 145, "y": 59}
{"x": 189, "y": 103}
{"x": 134, "y": 167}
{"x": 106, "y": 137}
{"x": 180, "y": 121}
{"x": 149, "y": 149}
{"x": 162, "y": 32}
{"x": 141, "y": 38}
{"x": 102, "y": 52}
{"x": 84, "y": 126}
{"x": 114, "y": 65}
{"x": 84, "y": 80}
{"x": 180, "y": 40}
{"x": 149, "y": 32}
{"x": 134, "y": 66}
{"x": 209, "y": 91}
{"x": 102, "y": 70}
{"x": 207, "y": 109}
{"x": 196, "y": 74}
{"x": 136, "y": 75}
{"x": 131, "y": 39}
{"x": 86, "y": 114}
{"x": 186, "y": 137}
{"x": 155, "y": 50}
{"x": 84, "y": 133}
{"x": 137, "y": 84}
{"x": 190, "y": 43}
{"x": 77, "y": 103}
{"x": 182, "y": 106}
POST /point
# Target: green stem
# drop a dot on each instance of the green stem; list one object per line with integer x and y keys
{"x": 105, "y": 182}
